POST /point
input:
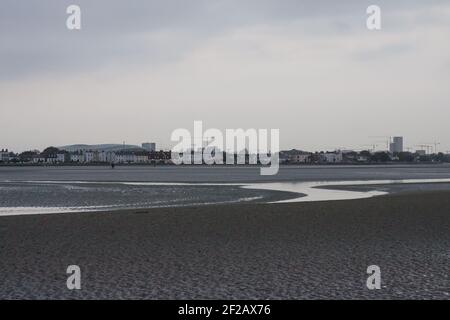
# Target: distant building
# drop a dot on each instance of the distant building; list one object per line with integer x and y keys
{"x": 349, "y": 156}
{"x": 421, "y": 152}
{"x": 90, "y": 156}
{"x": 362, "y": 158}
{"x": 149, "y": 146}
{"x": 160, "y": 157}
{"x": 77, "y": 157}
{"x": 51, "y": 159}
{"x": 27, "y": 156}
{"x": 294, "y": 156}
{"x": 132, "y": 157}
{"x": 105, "y": 156}
{"x": 60, "y": 157}
{"x": 331, "y": 157}
{"x": 4, "y": 155}
{"x": 45, "y": 159}
{"x": 396, "y": 145}
{"x": 96, "y": 156}
{"x": 124, "y": 157}
{"x": 39, "y": 159}
{"x": 304, "y": 157}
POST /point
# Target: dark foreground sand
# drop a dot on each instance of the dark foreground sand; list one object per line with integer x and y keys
{"x": 283, "y": 251}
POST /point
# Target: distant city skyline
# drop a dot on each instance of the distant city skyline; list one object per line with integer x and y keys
{"x": 393, "y": 144}
{"x": 136, "y": 72}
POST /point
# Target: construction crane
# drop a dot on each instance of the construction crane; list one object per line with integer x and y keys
{"x": 387, "y": 140}
{"x": 374, "y": 146}
{"x": 426, "y": 147}
{"x": 435, "y": 144}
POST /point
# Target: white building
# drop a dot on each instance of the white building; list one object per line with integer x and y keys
{"x": 51, "y": 159}
{"x": 77, "y": 157}
{"x": 396, "y": 145}
{"x": 141, "y": 158}
{"x": 104, "y": 156}
{"x": 60, "y": 157}
{"x": 332, "y": 157}
{"x": 131, "y": 157}
{"x": 89, "y": 156}
{"x": 93, "y": 157}
{"x": 4, "y": 155}
{"x": 124, "y": 157}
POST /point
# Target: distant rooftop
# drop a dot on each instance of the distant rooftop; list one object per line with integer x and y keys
{"x": 100, "y": 147}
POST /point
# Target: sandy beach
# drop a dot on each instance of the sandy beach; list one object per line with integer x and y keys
{"x": 317, "y": 250}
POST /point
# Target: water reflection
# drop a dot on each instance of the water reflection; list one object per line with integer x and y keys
{"x": 311, "y": 191}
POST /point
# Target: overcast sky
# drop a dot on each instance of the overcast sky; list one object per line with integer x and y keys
{"x": 137, "y": 70}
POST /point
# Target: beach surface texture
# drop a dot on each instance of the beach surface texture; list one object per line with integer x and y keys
{"x": 317, "y": 250}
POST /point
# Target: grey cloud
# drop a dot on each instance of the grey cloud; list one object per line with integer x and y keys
{"x": 34, "y": 39}
{"x": 384, "y": 51}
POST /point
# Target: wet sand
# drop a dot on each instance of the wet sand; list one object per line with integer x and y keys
{"x": 317, "y": 250}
